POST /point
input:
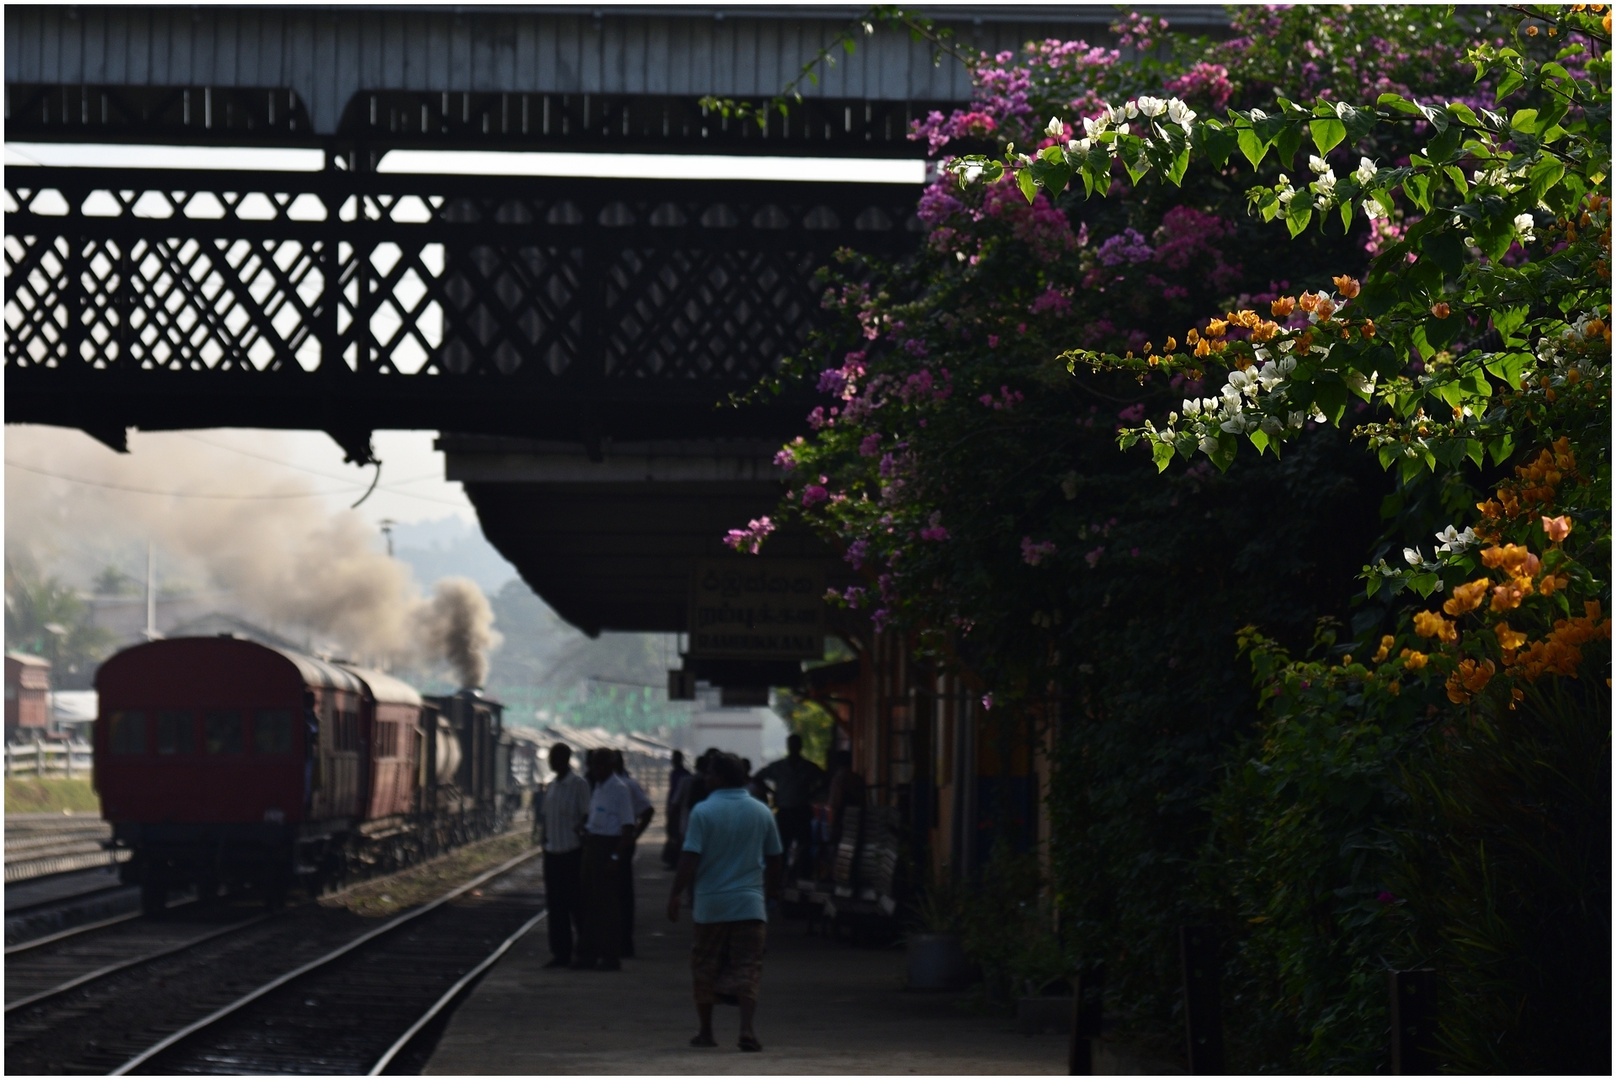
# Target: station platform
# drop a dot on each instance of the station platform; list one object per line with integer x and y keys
{"x": 825, "y": 1007}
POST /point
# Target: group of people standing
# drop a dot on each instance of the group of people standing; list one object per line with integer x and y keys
{"x": 795, "y": 785}
{"x": 725, "y": 847}
{"x": 589, "y": 828}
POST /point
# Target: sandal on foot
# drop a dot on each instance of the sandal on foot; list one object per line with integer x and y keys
{"x": 750, "y": 1044}
{"x": 702, "y": 1040}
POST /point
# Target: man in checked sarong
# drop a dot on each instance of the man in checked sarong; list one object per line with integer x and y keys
{"x": 731, "y": 855}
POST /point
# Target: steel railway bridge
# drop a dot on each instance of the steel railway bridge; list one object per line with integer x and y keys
{"x": 570, "y": 338}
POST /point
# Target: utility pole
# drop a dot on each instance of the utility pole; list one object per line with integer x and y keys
{"x": 387, "y": 531}
{"x": 151, "y": 592}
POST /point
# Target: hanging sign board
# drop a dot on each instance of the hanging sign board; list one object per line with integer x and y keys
{"x": 757, "y": 609}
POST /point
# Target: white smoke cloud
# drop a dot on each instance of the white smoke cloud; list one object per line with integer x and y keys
{"x": 283, "y": 554}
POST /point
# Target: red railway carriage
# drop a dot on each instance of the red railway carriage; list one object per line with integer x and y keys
{"x": 224, "y": 761}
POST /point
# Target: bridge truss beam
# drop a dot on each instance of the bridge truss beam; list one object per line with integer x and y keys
{"x": 586, "y": 310}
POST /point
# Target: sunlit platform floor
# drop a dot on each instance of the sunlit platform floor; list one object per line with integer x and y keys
{"x": 825, "y": 1007}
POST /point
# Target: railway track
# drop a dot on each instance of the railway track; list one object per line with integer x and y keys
{"x": 357, "y": 1008}
{"x": 42, "y": 844}
{"x": 130, "y": 1000}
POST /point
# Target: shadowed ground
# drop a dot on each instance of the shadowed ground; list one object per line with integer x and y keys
{"x": 825, "y": 1007}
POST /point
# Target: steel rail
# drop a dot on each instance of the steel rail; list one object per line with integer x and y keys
{"x": 62, "y": 901}
{"x": 124, "y": 965}
{"x": 315, "y": 964}
{"x": 452, "y": 993}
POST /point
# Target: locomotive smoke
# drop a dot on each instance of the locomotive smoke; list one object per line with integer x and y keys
{"x": 457, "y": 625}
{"x": 285, "y": 559}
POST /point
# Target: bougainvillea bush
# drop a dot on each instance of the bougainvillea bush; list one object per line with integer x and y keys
{"x": 1374, "y": 324}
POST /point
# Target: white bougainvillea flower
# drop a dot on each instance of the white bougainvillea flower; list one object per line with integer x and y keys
{"x": 1366, "y": 171}
{"x": 1180, "y": 113}
{"x": 1054, "y": 129}
{"x": 1452, "y": 540}
{"x": 1317, "y": 164}
{"x": 1524, "y": 224}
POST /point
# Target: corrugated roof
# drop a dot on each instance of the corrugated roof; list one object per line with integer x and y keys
{"x": 329, "y": 54}
{"x": 384, "y": 688}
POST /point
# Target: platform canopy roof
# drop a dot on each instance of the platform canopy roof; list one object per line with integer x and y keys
{"x": 212, "y": 73}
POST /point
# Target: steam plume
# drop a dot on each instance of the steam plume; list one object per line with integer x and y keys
{"x": 458, "y": 625}
{"x": 287, "y": 560}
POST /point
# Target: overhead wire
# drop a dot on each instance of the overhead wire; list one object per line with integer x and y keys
{"x": 169, "y": 494}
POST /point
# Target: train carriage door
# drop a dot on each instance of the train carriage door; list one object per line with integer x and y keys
{"x": 365, "y": 736}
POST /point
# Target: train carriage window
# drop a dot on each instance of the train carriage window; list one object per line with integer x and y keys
{"x": 128, "y": 732}
{"x": 222, "y": 728}
{"x": 176, "y": 731}
{"x": 272, "y": 731}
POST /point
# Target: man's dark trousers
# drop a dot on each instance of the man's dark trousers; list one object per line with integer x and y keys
{"x": 563, "y": 889}
{"x": 796, "y": 823}
{"x": 626, "y": 899}
{"x": 601, "y": 921}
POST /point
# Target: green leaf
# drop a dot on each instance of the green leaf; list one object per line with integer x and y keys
{"x": 1507, "y": 320}
{"x": 1218, "y": 142}
{"x": 1508, "y": 83}
{"x": 1417, "y": 186}
{"x": 1544, "y": 174}
{"x": 1439, "y": 332}
{"x": 1457, "y": 176}
{"x": 1287, "y": 142}
{"x": 1446, "y": 143}
{"x": 1418, "y": 336}
{"x": 1398, "y": 102}
{"x": 1501, "y": 449}
{"x": 1327, "y": 134}
{"x": 1300, "y": 213}
{"x": 1524, "y": 120}
{"x": 1180, "y": 165}
{"x": 1162, "y": 454}
{"x": 1508, "y": 367}
{"x": 1028, "y": 185}
{"x": 1259, "y": 439}
{"x": 1330, "y": 394}
{"x": 1346, "y": 215}
{"x": 1446, "y": 249}
{"x": 1424, "y": 583}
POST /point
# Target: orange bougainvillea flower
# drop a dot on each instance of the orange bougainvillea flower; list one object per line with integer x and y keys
{"x": 1508, "y": 596}
{"x": 1552, "y": 584}
{"x": 1513, "y": 559}
{"x": 1508, "y": 638}
{"x": 1469, "y": 679}
{"x": 1558, "y": 528}
{"x": 1413, "y": 660}
{"x": 1430, "y": 624}
{"x": 1346, "y": 286}
{"x": 1368, "y": 328}
{"x": 1441, "y": 310}
{"x": 1264, "y": 331}
{"x": 1385, "y": 649}
{"x": 1282, "y": 307}
{"x": 1467, "y": 597}
{"x": 1216, "y": 328}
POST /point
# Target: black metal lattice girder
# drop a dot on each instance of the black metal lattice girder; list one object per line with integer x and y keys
{"x": 552, "y": 307}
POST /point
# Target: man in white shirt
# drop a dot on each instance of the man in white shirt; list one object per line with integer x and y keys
{"x": 643, "y": 813}
{"x": 608, "y": 842}
{"x": 566, "y": 806}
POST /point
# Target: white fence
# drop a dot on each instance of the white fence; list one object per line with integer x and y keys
{"x": 70, "y": 759}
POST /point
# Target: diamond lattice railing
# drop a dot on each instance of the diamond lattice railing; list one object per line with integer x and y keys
{"x": 405, "y": 294}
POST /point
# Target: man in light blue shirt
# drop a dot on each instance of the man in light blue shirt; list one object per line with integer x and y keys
{"x": 732, "y": 858}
